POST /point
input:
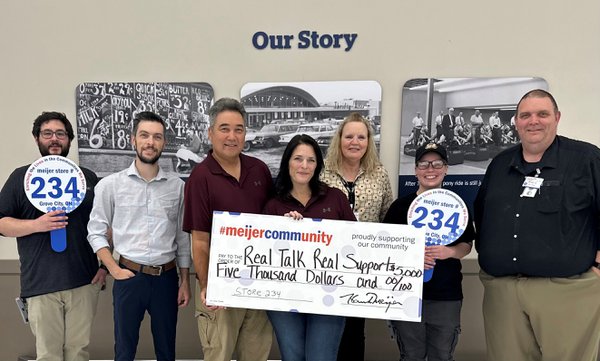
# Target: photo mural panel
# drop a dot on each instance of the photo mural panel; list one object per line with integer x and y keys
{"x": 105, "y": 113}
{"x": 278, "y": 111}
{"x": 482, "y": 125}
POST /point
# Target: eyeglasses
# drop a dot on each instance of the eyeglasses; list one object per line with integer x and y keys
{"x": 47, "y": 134}
{"x": 436, "y": 164}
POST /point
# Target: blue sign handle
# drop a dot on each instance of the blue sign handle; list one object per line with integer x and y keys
{"x": 58, "y": 238}
{"x": 427, "y": 274}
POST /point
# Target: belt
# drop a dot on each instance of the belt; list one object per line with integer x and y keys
{"x": 149, "y": 270}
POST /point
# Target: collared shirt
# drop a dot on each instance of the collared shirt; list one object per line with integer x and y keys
{"x": 476, "y": 120}
{"x": 555, "y": 233}
{"x": 373, "y": 192}
{"x": 145, "y": 217}
{"x": 495, "y": 122}
{"x": 209, "y": 188}
{"x": 418, "y": 122}
{"x": 329, "y": 203}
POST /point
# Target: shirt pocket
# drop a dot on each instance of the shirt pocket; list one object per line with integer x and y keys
{"x": 550, "y": 197}
{"x": 128, "y": 206}
{"x": 169, "y": 207}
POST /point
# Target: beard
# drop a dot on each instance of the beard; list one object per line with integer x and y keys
{"x": 147, "y": 160}
{"x": 45, "y": 149}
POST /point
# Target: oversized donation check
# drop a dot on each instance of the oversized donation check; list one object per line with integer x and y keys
{"x": 369, "y": 270}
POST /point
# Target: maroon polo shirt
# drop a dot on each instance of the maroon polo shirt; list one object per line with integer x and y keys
{"x": 330, "y": 203}
{"x": 209, "y": 188}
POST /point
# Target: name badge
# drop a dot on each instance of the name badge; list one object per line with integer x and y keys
{"x": 533, "y": 182}
{"x": 529, "y": 192}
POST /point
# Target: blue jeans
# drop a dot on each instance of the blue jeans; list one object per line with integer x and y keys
{"x": 307, "y": 336}
{"x": 435, "y": 337}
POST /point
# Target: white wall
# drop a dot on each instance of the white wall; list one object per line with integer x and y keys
{"x": 48, "y": 47}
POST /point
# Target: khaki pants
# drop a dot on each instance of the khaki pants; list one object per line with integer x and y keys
{"x": 246, "y": 332}
{"x": 549, "y": 319}
{"x": 62, "y": 322}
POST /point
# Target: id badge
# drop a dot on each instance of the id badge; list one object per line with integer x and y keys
{"x": 533, "y": 182}
{"x": 529, "y": 192}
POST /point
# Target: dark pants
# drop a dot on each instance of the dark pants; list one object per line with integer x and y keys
{"x": 448, "y": 133}
{"x": 352, "y": 346}
{"x": 417, "y": 135}
{"x": 131, "y": 299}
{"x": 497, "y": 135}
{"x": 435, "y": 337}
{"x": 476, "y": 135}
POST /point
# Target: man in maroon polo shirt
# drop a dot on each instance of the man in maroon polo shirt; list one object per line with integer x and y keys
{"x": 226, "y": 181}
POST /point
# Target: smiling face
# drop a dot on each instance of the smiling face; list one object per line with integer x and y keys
{"x": 430, "y": 178}
{"x": 149, "y": 141}
{"x": 537, "y": 122}
{"x": 227, "y": 135}
{"x": 354, "y": 141}
{"x": 302, "y": 165}
{"x": 53, "y": 139}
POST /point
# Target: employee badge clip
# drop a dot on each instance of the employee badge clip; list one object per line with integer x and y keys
{"x": 532, "y": 185}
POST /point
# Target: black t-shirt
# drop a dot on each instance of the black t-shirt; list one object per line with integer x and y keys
{"x": 446, "y": 283}
{"x": 42, "y": 269}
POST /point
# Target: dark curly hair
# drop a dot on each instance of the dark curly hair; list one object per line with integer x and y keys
{"x": 48, "y": 116}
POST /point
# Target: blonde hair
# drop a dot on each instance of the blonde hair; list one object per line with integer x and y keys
{"x": 369, "y": 162}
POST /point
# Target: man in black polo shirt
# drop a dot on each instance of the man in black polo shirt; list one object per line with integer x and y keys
{"x": 536, "y": 214}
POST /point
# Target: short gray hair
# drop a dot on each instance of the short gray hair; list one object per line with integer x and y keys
{"x": 223, "y": 105}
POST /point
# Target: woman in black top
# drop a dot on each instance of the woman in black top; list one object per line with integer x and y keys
{"x": 436, "y": 336}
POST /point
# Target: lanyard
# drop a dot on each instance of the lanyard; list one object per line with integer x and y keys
{"x": 350, "y": 188}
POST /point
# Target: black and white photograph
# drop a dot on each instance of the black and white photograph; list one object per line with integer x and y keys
{"x": 105, "y": 112}
{"x": 279, "y": 111}
{"x": 473, "y": 118}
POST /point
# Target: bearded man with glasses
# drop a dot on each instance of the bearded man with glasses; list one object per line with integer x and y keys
{"x": 60, "y": 288}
